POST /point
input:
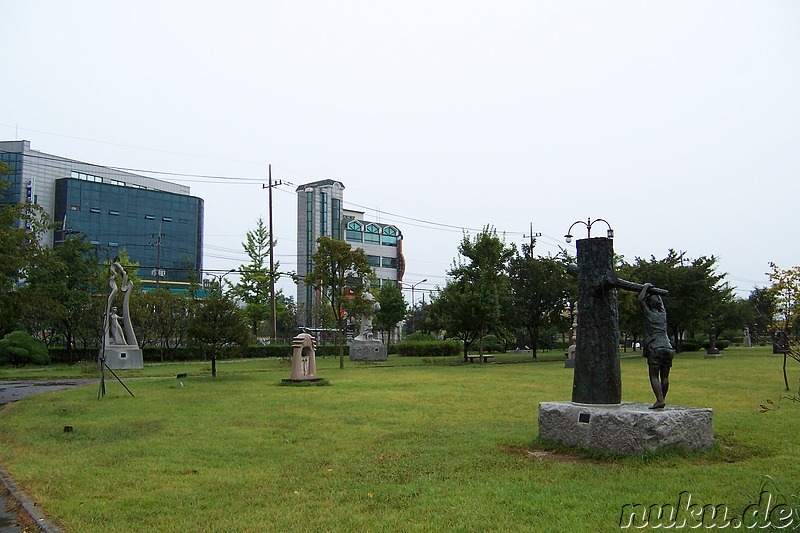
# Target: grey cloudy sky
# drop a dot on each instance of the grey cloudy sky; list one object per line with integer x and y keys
{"x": 678, "y": 122}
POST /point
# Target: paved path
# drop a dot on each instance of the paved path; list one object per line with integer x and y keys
{"x": 11, "y": 391}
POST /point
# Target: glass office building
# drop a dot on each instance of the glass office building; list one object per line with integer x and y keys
{"x": 320, "y": 213}
{"x": 157, "y": 222}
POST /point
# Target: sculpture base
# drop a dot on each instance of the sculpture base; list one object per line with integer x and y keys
{"x": 368, "y": 351}
{"x": 123, "y": 357}
{"x": 569, "y": 363}
{"x": 712, "y": 355}
{"x": 626, "y": 428}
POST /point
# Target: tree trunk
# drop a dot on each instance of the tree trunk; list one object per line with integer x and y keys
{"x": 785, "y": 379}
{"x": 214, "y": 366}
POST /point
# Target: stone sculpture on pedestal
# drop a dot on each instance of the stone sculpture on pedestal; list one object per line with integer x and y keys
{"x": 120, "y": 349}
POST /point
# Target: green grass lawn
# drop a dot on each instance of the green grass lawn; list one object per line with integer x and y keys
{"x": 401, "y": 445}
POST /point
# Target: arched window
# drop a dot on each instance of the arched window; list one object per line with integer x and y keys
{"x": 389, "y": 237}
{"x": 372, "y": 233}
{"x": 354, "y": 231}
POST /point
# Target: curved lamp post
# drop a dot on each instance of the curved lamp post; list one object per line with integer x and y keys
{"x": 413, "y": 286}
{"x": 589, "y": 223}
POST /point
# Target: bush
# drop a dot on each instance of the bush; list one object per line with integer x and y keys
{"x": 420, "y": 336}
{"x": 491, "y": 344}
{"x": 19, "y": 349}
{"x": 721, "y": 344}
{"x": 429, "y": 349}
{"x": 688, "y": 345}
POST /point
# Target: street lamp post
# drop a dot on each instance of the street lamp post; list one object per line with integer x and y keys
{"x": 414, "y": 286}
{"x": 221, "y": 277}
{"x": 589, "y": 223}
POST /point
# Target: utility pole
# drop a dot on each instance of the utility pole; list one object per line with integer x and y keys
{"x": 532, "y": 236}
{"x": 273, "y": 318}
{"x": 157, "y": 270}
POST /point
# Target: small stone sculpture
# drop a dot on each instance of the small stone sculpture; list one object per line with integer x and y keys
{"x": 304, "y": 362}
{"x": 365, "y": 332}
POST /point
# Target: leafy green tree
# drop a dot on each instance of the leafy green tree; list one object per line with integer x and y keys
{"x": 160, "y": 318}
{"x": 286, "y": 315}
{"x": 763, "y": 308}
{"x": 218, "y": 327}
{"x": 785, "y": 292}
{"x": 336, "y": 263}
{"x": 539, "y": 292}
{"x": 470, "y": 301}
{"x": 19, "y": 349}
{"x": 695, "y": 291}
{"x": 61, "y": 282}
{"x": 21, "y": 226}
{"x": 254, "y": 283}
{"x": 393, "y": 309}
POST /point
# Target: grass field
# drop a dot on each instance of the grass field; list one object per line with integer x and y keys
{"x": 403, "y": 445}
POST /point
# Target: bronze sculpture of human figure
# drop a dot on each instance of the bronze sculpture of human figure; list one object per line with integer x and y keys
{"x": 656, "y": 346}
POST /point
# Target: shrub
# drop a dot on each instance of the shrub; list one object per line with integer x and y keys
{"x": 688, "y": 345}
{"x": 429, "y": 349}
{"x": 19, "y": 349}
{"x": 721, "y": 344}
{"x": 491, "y": 344}
{"x": 420, "y": 336}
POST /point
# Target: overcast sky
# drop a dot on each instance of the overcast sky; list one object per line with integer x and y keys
{"x": 678, "y": 122}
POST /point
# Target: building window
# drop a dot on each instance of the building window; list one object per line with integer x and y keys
{"x": 149, "y": 217}
{"x": 113, "y": 244}
{"x": 374, "y": 261}
{"x": 166, "y": 219}
{"x": 113, "y": 212}
{"x": 372, "y": 233}
{"x": 85, "y": 177}
{"x": 74, "y": 208}
{"x": 323, "y": 214}
{"x": 94, "y": 210}
{"x": 117, "y": 182}
{"x": 389, "y": 237}
{"x": 354, "y": 231}
{"x": 336, "y": 215}
{"x": 389, "y": 262}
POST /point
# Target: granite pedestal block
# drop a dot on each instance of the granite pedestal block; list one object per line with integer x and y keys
{"x": 626, "y": 428}
{"x": 124, "y": 357}
{"x": 368, "y": 351}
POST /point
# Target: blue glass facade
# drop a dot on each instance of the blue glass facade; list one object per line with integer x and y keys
{"x": 162, "y": 231}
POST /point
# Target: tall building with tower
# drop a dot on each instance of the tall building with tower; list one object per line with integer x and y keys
{"x": 320, "y": 212}
{"x": 158, "y": 223}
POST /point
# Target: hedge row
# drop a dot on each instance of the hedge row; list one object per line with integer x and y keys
{"x": 153, "y": 355}
{"x": 429, "y": 349}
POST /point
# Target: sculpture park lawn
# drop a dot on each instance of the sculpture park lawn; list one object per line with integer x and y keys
{"x": 413, "y": 447}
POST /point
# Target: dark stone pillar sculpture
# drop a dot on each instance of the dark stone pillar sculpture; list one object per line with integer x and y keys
{"x": 597, "y": 377}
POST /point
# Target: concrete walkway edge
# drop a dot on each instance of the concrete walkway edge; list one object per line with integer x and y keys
{"x": 27, "y": 505}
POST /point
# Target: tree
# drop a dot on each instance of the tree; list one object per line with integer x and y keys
{"x": 19, "y": 348}
{"x": 785, "y": 291}
{"x": 539, "y": 292}
{"x": 470, "y": 301}
{"x": 161, "y": 318}
{"x": 21, "y": 226}
{"x": 338, "y": 275}
{"x": 61, "y": 283}
{"x": 695, "y": 291}
{"x": 254, "y": 284}
{"x": 218, "y": 327}
{"x": 393, "y": 309}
